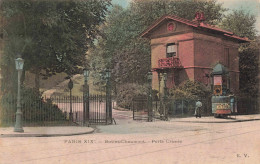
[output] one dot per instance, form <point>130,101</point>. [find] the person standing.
<point>198,109</point>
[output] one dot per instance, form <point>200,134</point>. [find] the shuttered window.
<point>171,50</point>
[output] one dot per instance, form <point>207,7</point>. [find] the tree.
<point>240,23</point>
<point>243,24</point>
<point>52,36</point>
<point>121,46</point>
<point>248,67</point>
<point>149,11</point>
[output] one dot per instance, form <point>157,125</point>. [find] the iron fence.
<point>186,107</point>
<point>97,109</point>
<point>55,111</point>
<point>140,108</point>
<point>247,105</point>
<point>162,109</point>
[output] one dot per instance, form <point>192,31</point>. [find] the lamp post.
<point>165,96</point>
<point>159,94</point>
<point>19,62</point>
<point>150,101</point>
<point>86,97</point>
<point>70,86</point>
<point>108,97</point>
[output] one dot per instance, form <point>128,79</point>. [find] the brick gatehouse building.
<point>187,49</point>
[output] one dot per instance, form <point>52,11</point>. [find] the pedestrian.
<point>198,109</point>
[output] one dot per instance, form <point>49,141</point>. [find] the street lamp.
<point>108,74</point>
<point>150,105</point>
<point>165,84</point>
<point>149,76</point>
<point>165,96</point>
<point>19,62</point>
<point>108,97</point>
<point>70,86</point>
<point>165,77</point>
<point>86,97</point>
<point>86,74</point>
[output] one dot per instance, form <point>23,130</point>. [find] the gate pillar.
<point>108,98</point>
<point>165,97</point>
<point>150,101</point>
<point>86,98</point>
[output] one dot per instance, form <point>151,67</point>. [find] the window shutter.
<point>171,48</point>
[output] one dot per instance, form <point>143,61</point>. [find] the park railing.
<point>165,108</point>
<point>55,111</point>
<point>247,105</point>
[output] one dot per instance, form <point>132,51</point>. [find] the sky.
<point>251,6</point>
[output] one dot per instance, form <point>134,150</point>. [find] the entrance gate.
<point>97,109</point>
<point>148,110</point>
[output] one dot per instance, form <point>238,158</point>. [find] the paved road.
<point>142,142</point>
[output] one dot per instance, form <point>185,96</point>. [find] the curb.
<point>219,121</point>
<point>45,135</point>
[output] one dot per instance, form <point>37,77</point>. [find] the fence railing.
<point>140,109</point>
<point>247,105</point>
<point>54,111</point>
<point>167,108</point>
<point>185,107</point>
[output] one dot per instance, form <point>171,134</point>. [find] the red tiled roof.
<point>194,24</point>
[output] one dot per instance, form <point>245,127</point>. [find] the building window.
<point>226,57</point>
<point>171,50</point>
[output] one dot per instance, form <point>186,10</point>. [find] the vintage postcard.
<point>129,81</point>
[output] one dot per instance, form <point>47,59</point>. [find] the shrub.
<point>127,92</point>
<point>34,108</point>
<point>189,90</point>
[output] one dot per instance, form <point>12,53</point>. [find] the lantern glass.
<point>70,84</point>
<point>165,76</point>
<point>19,62</point>
<point>86,73</point>
<point>108,73</point>
<point>150,75</point>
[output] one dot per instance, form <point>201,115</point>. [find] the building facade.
<point>189,50</point>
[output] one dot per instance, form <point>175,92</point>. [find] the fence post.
<point>86,98</point>
<point>108,98</point>
<point>70,86</point>
<point>150,101</point>
<point>165,97</point>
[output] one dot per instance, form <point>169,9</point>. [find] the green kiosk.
<point>223,103</point>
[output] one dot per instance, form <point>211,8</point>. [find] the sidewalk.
<point>117,114</point>
<point>46,131</point>
<point>123,116</point>
<point>211,119</point>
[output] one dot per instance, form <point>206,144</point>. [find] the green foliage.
<point>121,49</point>
<point>149,11</point>
<point>191,90</point>
<point>52,36</point>
<point>243,24</point>
<point>34,108</point>
<point>249,69</point>
<point>127,92</point>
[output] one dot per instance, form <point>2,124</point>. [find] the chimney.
<point>199,16</point>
